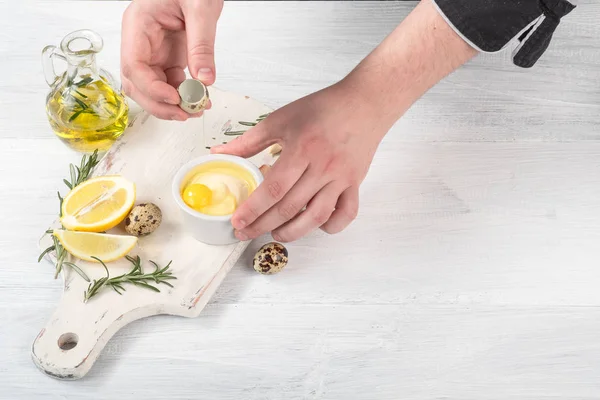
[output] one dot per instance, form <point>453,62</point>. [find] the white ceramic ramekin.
<point>209,229</point>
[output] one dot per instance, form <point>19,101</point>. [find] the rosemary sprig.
<point>78,175</point>
<point>81,173</point>
<point>81,103</point>
<point>61,256</point>
<point>84,81</point>
<point>136,277</point>
<point>75,115</point>
<point>83,107</point>
<point>81,94</point>
<point>246,123</point>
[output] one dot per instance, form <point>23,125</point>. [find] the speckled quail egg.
<point>270,258</point>
<point>143,219</point>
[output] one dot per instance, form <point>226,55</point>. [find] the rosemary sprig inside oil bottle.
<point>135,277</point>
<point>78,175</point>
<point>246,123</point>
<point>80,98</point>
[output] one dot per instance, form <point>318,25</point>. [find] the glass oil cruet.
<point>86,107</point>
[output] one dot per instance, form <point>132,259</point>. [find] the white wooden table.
<point>472,271</point>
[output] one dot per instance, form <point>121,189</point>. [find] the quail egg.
<point>143,219</point>
<point>270,258</point>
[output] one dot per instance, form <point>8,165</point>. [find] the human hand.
<point>328,139</point>
<point>160,38</point>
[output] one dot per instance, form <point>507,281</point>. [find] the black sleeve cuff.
<point>490,25</point>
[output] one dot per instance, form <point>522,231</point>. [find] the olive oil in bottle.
<point>85,107</point>
<point>88,116</point>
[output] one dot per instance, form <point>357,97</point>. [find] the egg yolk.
<point>217,187</point>
<point>197,196</point>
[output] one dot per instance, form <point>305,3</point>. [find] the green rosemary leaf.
<point>48,250</point>
<point>144,284</point>
<point>66,182</point>
<point>104,265</point>
<point>78,270</point>
<point>75,115</point>
<point>81,94</point>
<point>81,103</point>
<point>118,285</point>
<point>72,172</point>
<point>60,200</point>
<point>84,81</point>
<point>246,123</point>
<point>157,268</point>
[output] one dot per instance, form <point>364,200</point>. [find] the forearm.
<point>421,51</point>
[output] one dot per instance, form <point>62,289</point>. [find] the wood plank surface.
<point>470,273</point>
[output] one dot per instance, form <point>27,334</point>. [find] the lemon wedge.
<point>98,204</point>
<point>84,245</point>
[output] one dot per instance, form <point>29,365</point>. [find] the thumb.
<point>200,27</point>
<point>252,142</point>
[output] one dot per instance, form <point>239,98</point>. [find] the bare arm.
<point>420,52</point>
<point>329,137</point>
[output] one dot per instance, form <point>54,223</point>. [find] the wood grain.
<point>471,272</point>
<point>149,155</point>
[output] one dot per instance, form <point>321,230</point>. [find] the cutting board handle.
<point>67,347</point>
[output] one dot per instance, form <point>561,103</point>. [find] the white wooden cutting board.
<point>149,154</point>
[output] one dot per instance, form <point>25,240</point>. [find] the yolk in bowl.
<point>217,187</point>
<point>197,196</point>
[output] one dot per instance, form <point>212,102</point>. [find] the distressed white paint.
<point>471,272</point>
<point>150,153</point>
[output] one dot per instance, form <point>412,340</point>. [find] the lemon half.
<point>98,204</point>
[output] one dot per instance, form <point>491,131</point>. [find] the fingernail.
<point>171,101</point>
<point>240,224</point>
<point>205,73</point>
<point>276,237</point>
<point>241,236</point>
<point>178,118</point>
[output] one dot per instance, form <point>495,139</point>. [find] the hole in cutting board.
<point>68,340</point>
